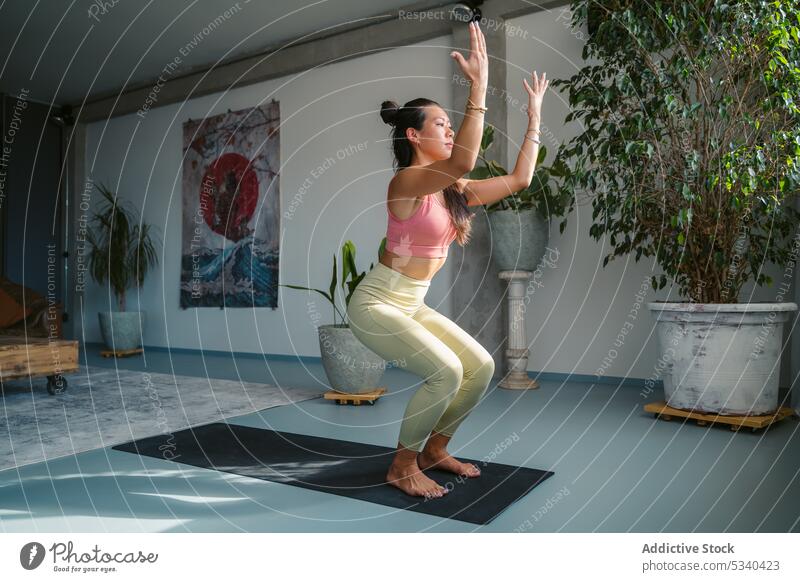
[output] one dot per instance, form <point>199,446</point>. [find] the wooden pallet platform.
<point>754,423</point>
<point>121,353</point>
<point>355,399</point>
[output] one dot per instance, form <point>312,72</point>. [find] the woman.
<point>427,206</point>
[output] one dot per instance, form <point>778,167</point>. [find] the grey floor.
<point>616,468</point>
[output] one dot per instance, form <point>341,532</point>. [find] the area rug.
<point>105,406</point>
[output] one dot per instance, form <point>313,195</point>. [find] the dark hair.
<point>412,114</point>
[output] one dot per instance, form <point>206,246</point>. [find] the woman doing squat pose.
<point>427,207</point>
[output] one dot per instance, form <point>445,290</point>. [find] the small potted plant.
<point>350,366</point>
<point>695,162</point>
<point>122,252</point>
<point>520,223</point>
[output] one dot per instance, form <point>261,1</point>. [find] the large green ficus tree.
<point>690,146</point>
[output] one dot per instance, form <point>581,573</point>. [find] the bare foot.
<point>411,480</point>
<point>444,461</point>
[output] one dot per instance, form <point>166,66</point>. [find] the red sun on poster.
<point>229,195</point>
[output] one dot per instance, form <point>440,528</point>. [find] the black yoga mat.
<point>354,470</point>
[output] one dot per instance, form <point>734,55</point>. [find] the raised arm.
<point>421,180</point>
<point>491,190</point>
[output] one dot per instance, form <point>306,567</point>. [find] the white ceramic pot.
<point>350,366</point>
<point>122,330</point>
<point>721,358</point>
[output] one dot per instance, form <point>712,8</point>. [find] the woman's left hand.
<point>536,94</point>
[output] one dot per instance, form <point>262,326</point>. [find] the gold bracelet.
<point>471,105</point>
<point>533,139</point>
<point>536,130</point>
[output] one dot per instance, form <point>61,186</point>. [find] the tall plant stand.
<point>516,377</point>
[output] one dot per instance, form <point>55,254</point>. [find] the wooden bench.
<point>38,356</point>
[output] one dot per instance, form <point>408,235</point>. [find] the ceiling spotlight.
<point>466,12</point>
<point>64,118</point>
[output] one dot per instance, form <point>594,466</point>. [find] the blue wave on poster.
<point>241,273</point>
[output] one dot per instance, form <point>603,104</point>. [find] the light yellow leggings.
<point>388,314</point>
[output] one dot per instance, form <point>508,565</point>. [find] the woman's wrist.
<point>477,95</point>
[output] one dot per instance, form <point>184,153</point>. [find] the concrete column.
<point>77,218</point>
<point>477,290</point>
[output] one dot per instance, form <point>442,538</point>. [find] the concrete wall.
<point>324,111</point>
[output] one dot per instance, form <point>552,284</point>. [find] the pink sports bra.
<point>427,233</point>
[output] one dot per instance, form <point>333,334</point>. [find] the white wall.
<point>323,110</point>
<point>574,319</point>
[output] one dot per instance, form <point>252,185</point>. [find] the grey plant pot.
<point>127,329</point>
<point>721,358</point>
<point>351,367</point>
<point>518,239</point>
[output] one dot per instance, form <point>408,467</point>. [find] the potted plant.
<point>350,366</point>
<point>520,223</point>
<point>122,252</point>
<point>692,151</point>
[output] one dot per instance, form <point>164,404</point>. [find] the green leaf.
<point>487,138</point>
<point>348,261</point>
<point>332,287</point>
<point>497,169</point>
<point>481,173</point>
<point>301,288</point>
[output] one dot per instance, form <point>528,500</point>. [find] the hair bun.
<point>389,112</point>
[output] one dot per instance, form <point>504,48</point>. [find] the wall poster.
<point>231,209</point>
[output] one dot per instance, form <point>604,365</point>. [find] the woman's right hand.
<point>476,68</point>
